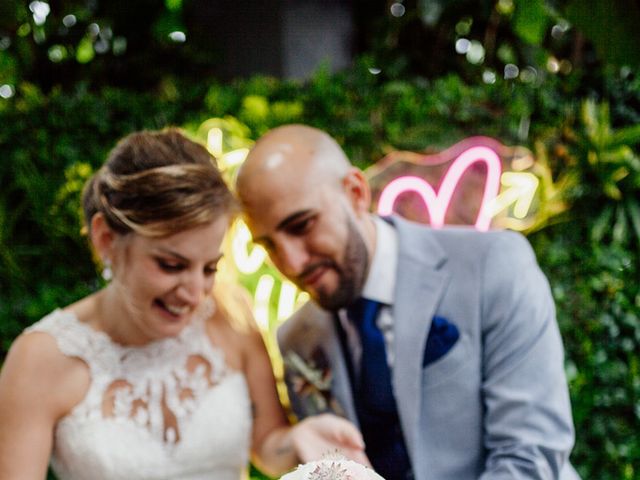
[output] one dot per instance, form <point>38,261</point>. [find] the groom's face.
<point>312,236</point>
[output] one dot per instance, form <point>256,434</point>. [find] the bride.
<point>148,378</point>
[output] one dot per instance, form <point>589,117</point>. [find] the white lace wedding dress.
<point>169,410</point>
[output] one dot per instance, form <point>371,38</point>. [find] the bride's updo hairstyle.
<point>155,184</point>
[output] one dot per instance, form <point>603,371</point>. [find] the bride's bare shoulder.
<point>36,368</point>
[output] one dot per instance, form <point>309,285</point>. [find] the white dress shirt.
<point>379,286</point>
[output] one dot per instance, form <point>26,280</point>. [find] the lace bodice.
<point>171,409</point>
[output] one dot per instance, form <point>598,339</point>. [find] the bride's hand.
<point>323,434</point>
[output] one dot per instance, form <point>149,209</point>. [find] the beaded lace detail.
<point>169,409</point>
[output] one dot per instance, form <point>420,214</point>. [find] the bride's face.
<point>160,282</point>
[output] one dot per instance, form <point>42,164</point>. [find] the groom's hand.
<point>319,435</point>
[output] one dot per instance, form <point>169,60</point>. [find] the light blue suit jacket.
<point>495,406</point>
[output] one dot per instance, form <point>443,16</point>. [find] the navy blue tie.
<point>374,383</point>
<point>374,399</point>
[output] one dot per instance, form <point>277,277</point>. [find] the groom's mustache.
<point>310,270</point>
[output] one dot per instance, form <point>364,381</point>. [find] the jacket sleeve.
<point>307,370</point>
<point>528,428</point>
<point>291,378</point>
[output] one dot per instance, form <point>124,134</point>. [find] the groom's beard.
<point>351,274</point>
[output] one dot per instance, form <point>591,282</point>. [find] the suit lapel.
<point>420,284</point>
<point>341,385</point>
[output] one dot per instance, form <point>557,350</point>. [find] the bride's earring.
<point>107,273</point>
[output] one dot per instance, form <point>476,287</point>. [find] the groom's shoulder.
<point>459,238</point>
<point>450,232</point>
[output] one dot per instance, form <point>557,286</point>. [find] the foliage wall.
<point>588,245</point>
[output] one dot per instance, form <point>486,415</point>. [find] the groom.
<point>442,344</point>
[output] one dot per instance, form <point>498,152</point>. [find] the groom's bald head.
<point>293,151</point>
<point>309,207</point>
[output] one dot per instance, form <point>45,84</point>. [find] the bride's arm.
<point>34,393</point>
<point>277,446</point>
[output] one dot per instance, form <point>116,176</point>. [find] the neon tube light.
<point>438,203</point>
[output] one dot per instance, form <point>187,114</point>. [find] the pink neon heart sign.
<point>438,203</point>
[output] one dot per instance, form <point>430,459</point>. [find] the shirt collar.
<point>381,281</point>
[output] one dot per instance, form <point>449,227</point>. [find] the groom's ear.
<point>357,190</point>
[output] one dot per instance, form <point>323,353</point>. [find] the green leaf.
<point>589,115</point>
<point>531,20</point>
<point>255,108</point>
<point>619,174</point>
<point>8,68</point>
<point>85,51</point>
<point>620,227</point>
<point>612,190</point>
<point>173,5</point>
<point>626,136</point>
<point>601,225</point>
<point>633,210</point>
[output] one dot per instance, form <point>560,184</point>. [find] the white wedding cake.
<point>332,468</point>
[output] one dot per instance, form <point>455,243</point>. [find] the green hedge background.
<point>582,125</point>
